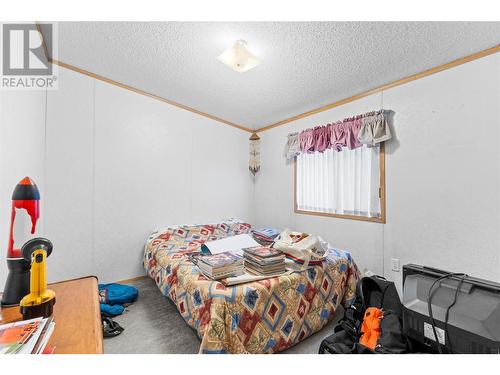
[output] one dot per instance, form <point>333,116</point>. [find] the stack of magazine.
<point>265,236</point>
<point>26,336</point>
<point>264,260</point>
<point>221,265</point>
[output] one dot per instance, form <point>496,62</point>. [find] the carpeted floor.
<point>153,325</point>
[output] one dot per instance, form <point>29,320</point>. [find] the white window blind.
<point>344,183</point>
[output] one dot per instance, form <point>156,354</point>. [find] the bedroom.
<point>363,147</point>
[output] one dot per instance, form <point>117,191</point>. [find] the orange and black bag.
<point>372,324</point>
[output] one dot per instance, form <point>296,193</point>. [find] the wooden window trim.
<point>382,219</point>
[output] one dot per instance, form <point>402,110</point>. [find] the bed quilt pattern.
<point>260,317</point>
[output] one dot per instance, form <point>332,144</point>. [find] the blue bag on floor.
<point>111,310</point>
<point>113,296</point>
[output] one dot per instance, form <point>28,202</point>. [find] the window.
<point>348,184</point>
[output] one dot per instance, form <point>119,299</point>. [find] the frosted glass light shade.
<point>238,57</point>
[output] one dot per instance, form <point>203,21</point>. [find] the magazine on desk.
<point>26,336</point>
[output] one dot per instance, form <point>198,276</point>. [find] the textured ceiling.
<point>303,65</point>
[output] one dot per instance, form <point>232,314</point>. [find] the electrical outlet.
<point>395,264</point>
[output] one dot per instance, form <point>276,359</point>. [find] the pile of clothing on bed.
<point>263,316</point>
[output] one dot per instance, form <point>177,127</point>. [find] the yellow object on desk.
<point>40,301</point>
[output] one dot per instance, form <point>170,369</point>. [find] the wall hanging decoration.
<point>292,147</point>
<point>368,129</point>
<point>254,154</point>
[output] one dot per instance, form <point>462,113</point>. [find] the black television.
<point>473,306</point>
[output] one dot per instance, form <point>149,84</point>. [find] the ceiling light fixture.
<point>238,57</point>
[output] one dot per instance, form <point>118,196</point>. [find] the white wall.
<point>112,166</point>
<point>442,176</point>
<point>67,194</point>
<point>22,118</point>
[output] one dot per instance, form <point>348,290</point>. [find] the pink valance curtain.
<point>370,128</point>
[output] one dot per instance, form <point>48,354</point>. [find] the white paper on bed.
<point>248,278</point>
<point>234,244</point>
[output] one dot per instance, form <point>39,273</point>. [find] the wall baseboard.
<point>137,278</point>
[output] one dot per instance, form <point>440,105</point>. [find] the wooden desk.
<point>76,313</point>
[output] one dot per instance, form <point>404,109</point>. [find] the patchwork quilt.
<point>264,316</point>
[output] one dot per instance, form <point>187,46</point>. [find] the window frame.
<point>382,219</point>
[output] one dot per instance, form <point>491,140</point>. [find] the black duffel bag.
<point>373,291</point>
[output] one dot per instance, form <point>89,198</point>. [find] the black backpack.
<point>373,291</point>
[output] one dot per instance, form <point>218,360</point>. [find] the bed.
<point>265,316</point>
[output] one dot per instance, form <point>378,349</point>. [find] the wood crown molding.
<point>134,89</point>
<point>145,93</point>
<point>338,103</point>
<point>387,86</point>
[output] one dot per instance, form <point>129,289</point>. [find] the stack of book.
<point>264,261</point>
<point>26,336</point>
<point>265,236</point>
<point>221,265</point>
